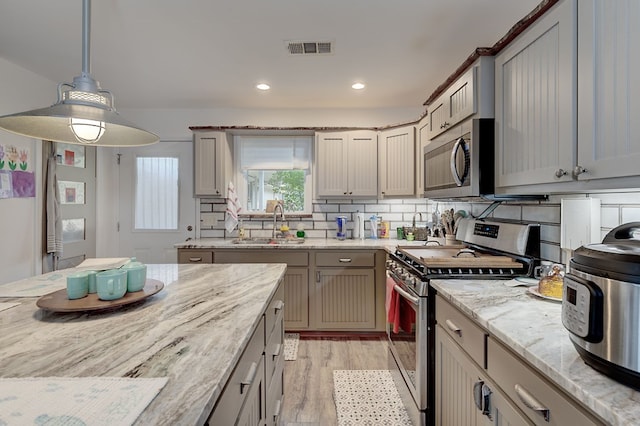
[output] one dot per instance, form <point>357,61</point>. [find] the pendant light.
<point>84,113</point>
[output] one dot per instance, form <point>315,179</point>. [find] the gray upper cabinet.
<point>346,164</point>
<point>454,105</point>
<point>212,163</point>
<point>396,162</point>
<point>534,98</point>
<point>608,89</point>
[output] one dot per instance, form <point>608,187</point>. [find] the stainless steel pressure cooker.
<point>601,304</point>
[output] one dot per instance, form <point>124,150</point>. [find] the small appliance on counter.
<point>358,229</point>
<point>341,227</point>
<point>601,304</point>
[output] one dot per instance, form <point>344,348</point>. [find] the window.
<point>156,197</point>
<point>274,168</point>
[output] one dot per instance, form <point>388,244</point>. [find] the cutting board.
<point>465,260</point>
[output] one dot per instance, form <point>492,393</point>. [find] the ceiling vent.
<point>309,47</point>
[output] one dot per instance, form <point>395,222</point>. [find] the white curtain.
<point>275,152</point>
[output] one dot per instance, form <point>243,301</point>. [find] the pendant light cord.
<point>86,36</point>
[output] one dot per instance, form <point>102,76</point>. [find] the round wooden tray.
<point>58,301</point>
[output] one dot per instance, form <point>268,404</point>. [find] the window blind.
<point>275,153</point>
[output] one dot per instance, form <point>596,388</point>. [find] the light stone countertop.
<point>192,332</point>
<point>532,327</point>
<point>309,243</point>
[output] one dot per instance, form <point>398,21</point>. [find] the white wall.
<point>21,218</point>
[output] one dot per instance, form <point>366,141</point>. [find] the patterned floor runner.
<point>291,346</point>
<point>368,397</point>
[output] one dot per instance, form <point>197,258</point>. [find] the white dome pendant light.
<point>84,113</point>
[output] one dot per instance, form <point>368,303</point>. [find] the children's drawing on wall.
<point>17,180</point>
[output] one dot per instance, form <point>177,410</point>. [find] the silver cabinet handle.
<point>195,259</point>
<point>454,328</point>
<point>278,306</point>
<point>277,350</point>
<point>276,412</point>
<point>531,402</point>
<point>344,260</point>
<point>251,374</point>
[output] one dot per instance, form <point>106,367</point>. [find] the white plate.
<point>535,292</point>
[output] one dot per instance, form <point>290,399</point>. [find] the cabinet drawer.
<point>290,257</point>
<point>246,373</point>
<point>463,331</point>
<point>345,258</point>
<point>525,387</point>
<point>274,351</point>
<point>275,311</point>
<point>195,256</point>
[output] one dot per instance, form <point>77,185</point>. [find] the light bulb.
<point>87,131</point>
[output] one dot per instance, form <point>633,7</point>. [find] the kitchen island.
<point>531,329</point>
<point>193,332</point>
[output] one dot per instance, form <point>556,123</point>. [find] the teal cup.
<point>111,284</point>
<point>92,282</point>
<point>136,277</point>
<point>77,285</point>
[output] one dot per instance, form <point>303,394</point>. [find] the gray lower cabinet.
<point>255,391</point>
<point>345,290</point>
<point>469,359</point>
<point>324,289</point>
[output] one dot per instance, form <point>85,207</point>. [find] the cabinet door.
<point>438,116</point>
<point>296,298</point>
<point>253,412</point>
<point>461,98</point>
<point>345,298</point>
<point>363,164</point>
<point>331,164</point>
<point>456,376</point>
<point>608,88</point>
<point>396,168</point>
<point>195,256</point>
<point>212,157</point>
<point>535,102</point>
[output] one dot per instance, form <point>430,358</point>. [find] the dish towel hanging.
<point>54,221</point>
<point>233,209</point>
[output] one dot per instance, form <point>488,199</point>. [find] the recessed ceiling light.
<point>357,86</point>
<point>263,86</point>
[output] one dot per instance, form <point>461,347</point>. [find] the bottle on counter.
<point>241,231</point>
<point>300,231</point>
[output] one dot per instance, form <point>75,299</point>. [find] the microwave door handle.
<point>460,144</point>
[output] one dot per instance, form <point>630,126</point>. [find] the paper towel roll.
<point>358,229</point>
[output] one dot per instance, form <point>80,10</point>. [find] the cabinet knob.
<point>578,170</point>
<point>560,172</point>
<point>345,193</point>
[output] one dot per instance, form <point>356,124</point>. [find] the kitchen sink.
<point>269,241</point>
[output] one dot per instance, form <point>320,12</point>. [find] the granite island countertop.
<point>192,332</point>
<point>532,328</point>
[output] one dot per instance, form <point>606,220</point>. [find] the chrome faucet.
<point>414,219</point>
<point>275,215</point>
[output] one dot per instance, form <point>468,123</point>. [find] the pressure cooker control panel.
<point>582,308</point>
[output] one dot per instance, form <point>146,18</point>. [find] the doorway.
<point>157,208</point>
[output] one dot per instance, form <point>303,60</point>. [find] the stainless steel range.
<point>489,250</point>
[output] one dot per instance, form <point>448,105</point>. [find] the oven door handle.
<point>414,300</point>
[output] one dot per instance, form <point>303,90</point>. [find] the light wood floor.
<point>308,381</point>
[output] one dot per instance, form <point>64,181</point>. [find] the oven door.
<point>410,348</point>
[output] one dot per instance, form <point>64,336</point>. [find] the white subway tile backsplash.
<point>348,208</point>
<point>377,208</point>
<point>509,212</point>
<point>212,233</point>
<point>550,233</point>
<point>400,208</point>
<point>630,214</point>
<point>541,213</point>
<point>326,208</point>
<point>609,216</point>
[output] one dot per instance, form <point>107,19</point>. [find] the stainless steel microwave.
<point>460,162</point>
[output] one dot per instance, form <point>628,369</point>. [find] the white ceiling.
<point>211,54</point>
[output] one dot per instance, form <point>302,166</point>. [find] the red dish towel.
<point>392,303</point>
